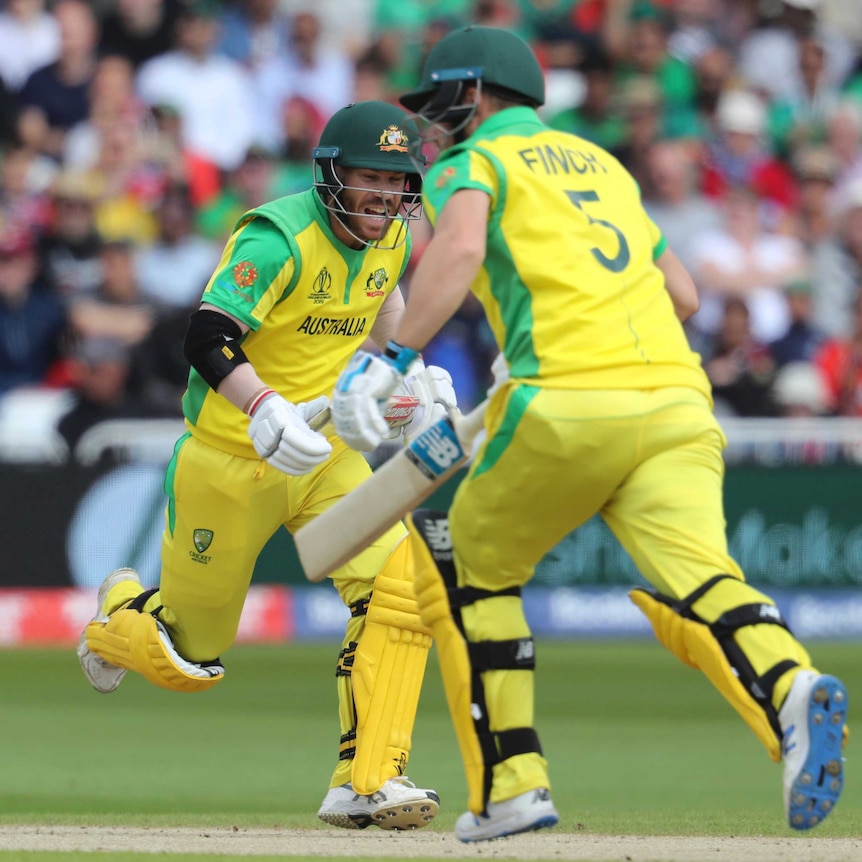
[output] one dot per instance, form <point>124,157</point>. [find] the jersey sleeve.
<point>461,169</point>
<point>659,243</point>
<point>254,272</point>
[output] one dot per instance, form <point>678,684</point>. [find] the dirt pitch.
<point>323,843</point>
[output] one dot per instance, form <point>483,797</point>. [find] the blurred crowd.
<point>134,133</point>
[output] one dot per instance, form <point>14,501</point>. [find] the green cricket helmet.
<point>372,135</point>
<point>492,57</point>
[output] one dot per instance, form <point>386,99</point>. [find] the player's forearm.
<point>439,286</point>
<point>679,285</point>
<point>386,322</point>
<point>241,386</point>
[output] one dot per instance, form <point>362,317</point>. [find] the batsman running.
<point>303,281</point>
<point>606,410</point>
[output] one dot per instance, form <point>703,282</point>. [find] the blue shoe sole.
<point>820,781</point>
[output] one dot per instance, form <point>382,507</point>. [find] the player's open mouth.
<point>375,217</point>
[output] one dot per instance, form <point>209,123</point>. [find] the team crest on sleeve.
<point>445,175</point>
<point>392,138</point>
<point>375,282</point>
<point>245,274</point>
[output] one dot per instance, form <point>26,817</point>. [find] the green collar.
<point>517,116</point>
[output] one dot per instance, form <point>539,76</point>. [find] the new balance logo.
<point>438,537</point>
<point>442,450</point>
<point>770,612</point>
<point>526,650</point>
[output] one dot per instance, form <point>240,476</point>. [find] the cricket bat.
<point>397,487</point>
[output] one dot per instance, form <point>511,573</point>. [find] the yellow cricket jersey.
<point>310,303</point>
<point>569,283</point>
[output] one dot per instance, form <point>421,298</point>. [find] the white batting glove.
<point>280,434</point>
<point>359,401</point>
<point>433,387</point>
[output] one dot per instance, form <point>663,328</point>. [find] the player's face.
<point>371,200</point>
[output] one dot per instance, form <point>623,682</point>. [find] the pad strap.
<point>497,747</point>
<point>758,613</point>
<point>516,654</point>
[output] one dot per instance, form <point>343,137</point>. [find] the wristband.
<point>399,356</point>
<point>257,399</point>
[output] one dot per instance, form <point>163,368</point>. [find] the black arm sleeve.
<point>212,347</point>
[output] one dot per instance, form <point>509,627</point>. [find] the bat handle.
<point>320,419</point>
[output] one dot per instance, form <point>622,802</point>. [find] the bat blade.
<point>410,476</point>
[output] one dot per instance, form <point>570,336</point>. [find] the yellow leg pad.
<point>455,665</point>
<point>136,642</point>
<point>692,643</point>
<point>387,675</point>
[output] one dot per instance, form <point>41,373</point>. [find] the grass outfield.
<point>637,743</point>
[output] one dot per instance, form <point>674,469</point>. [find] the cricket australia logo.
<point>202,540</point>
<point>320,288</point>
<point>375,283</point>
<point>391,139</point>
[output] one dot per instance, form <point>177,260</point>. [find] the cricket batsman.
<point>606,410</point>
<point>302,283</point>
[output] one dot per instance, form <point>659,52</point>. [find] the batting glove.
<point>361,394</point>
<point>280,434</point>
<point>433,387</point>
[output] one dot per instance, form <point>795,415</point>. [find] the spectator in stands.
<point>174,270</point>
<point>840,362</point>
<point>737,152</point>
<point>696,28</point>
<point>325,77</point>
<point>836,268</point>
<point>29,40</point>
<point>177,161</point>
<point>739,365</point>
<point>641,107</point>
<point>303,124</point>
<point>769,58</point>
<point>254,31</point>
<point>115,311</point>
<point>673,198</point>
<point>743,260</point>
<point>138,29</point>
<point>111,97</point>
<point>247,186</point>
<point>160,370</point>
<point>844,138</point>
<point>714,72</point>
<point>212,93</point>
<point>647,56</point>
<point>32,321</point>
<point>23,198</point>
<point>100,371</point>
<point>54,97</point>
<point>815,168</point>
<point>802,119</point>
<point>802,339</point>
<point>399,28</point>
<point>69,249</point>
<point>595,117</point>
<point>800,391</point>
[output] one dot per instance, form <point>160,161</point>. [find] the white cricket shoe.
<point>812,723</point>
<point>398,805</point>
<point>525,813</point>
<point>103,676</point>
